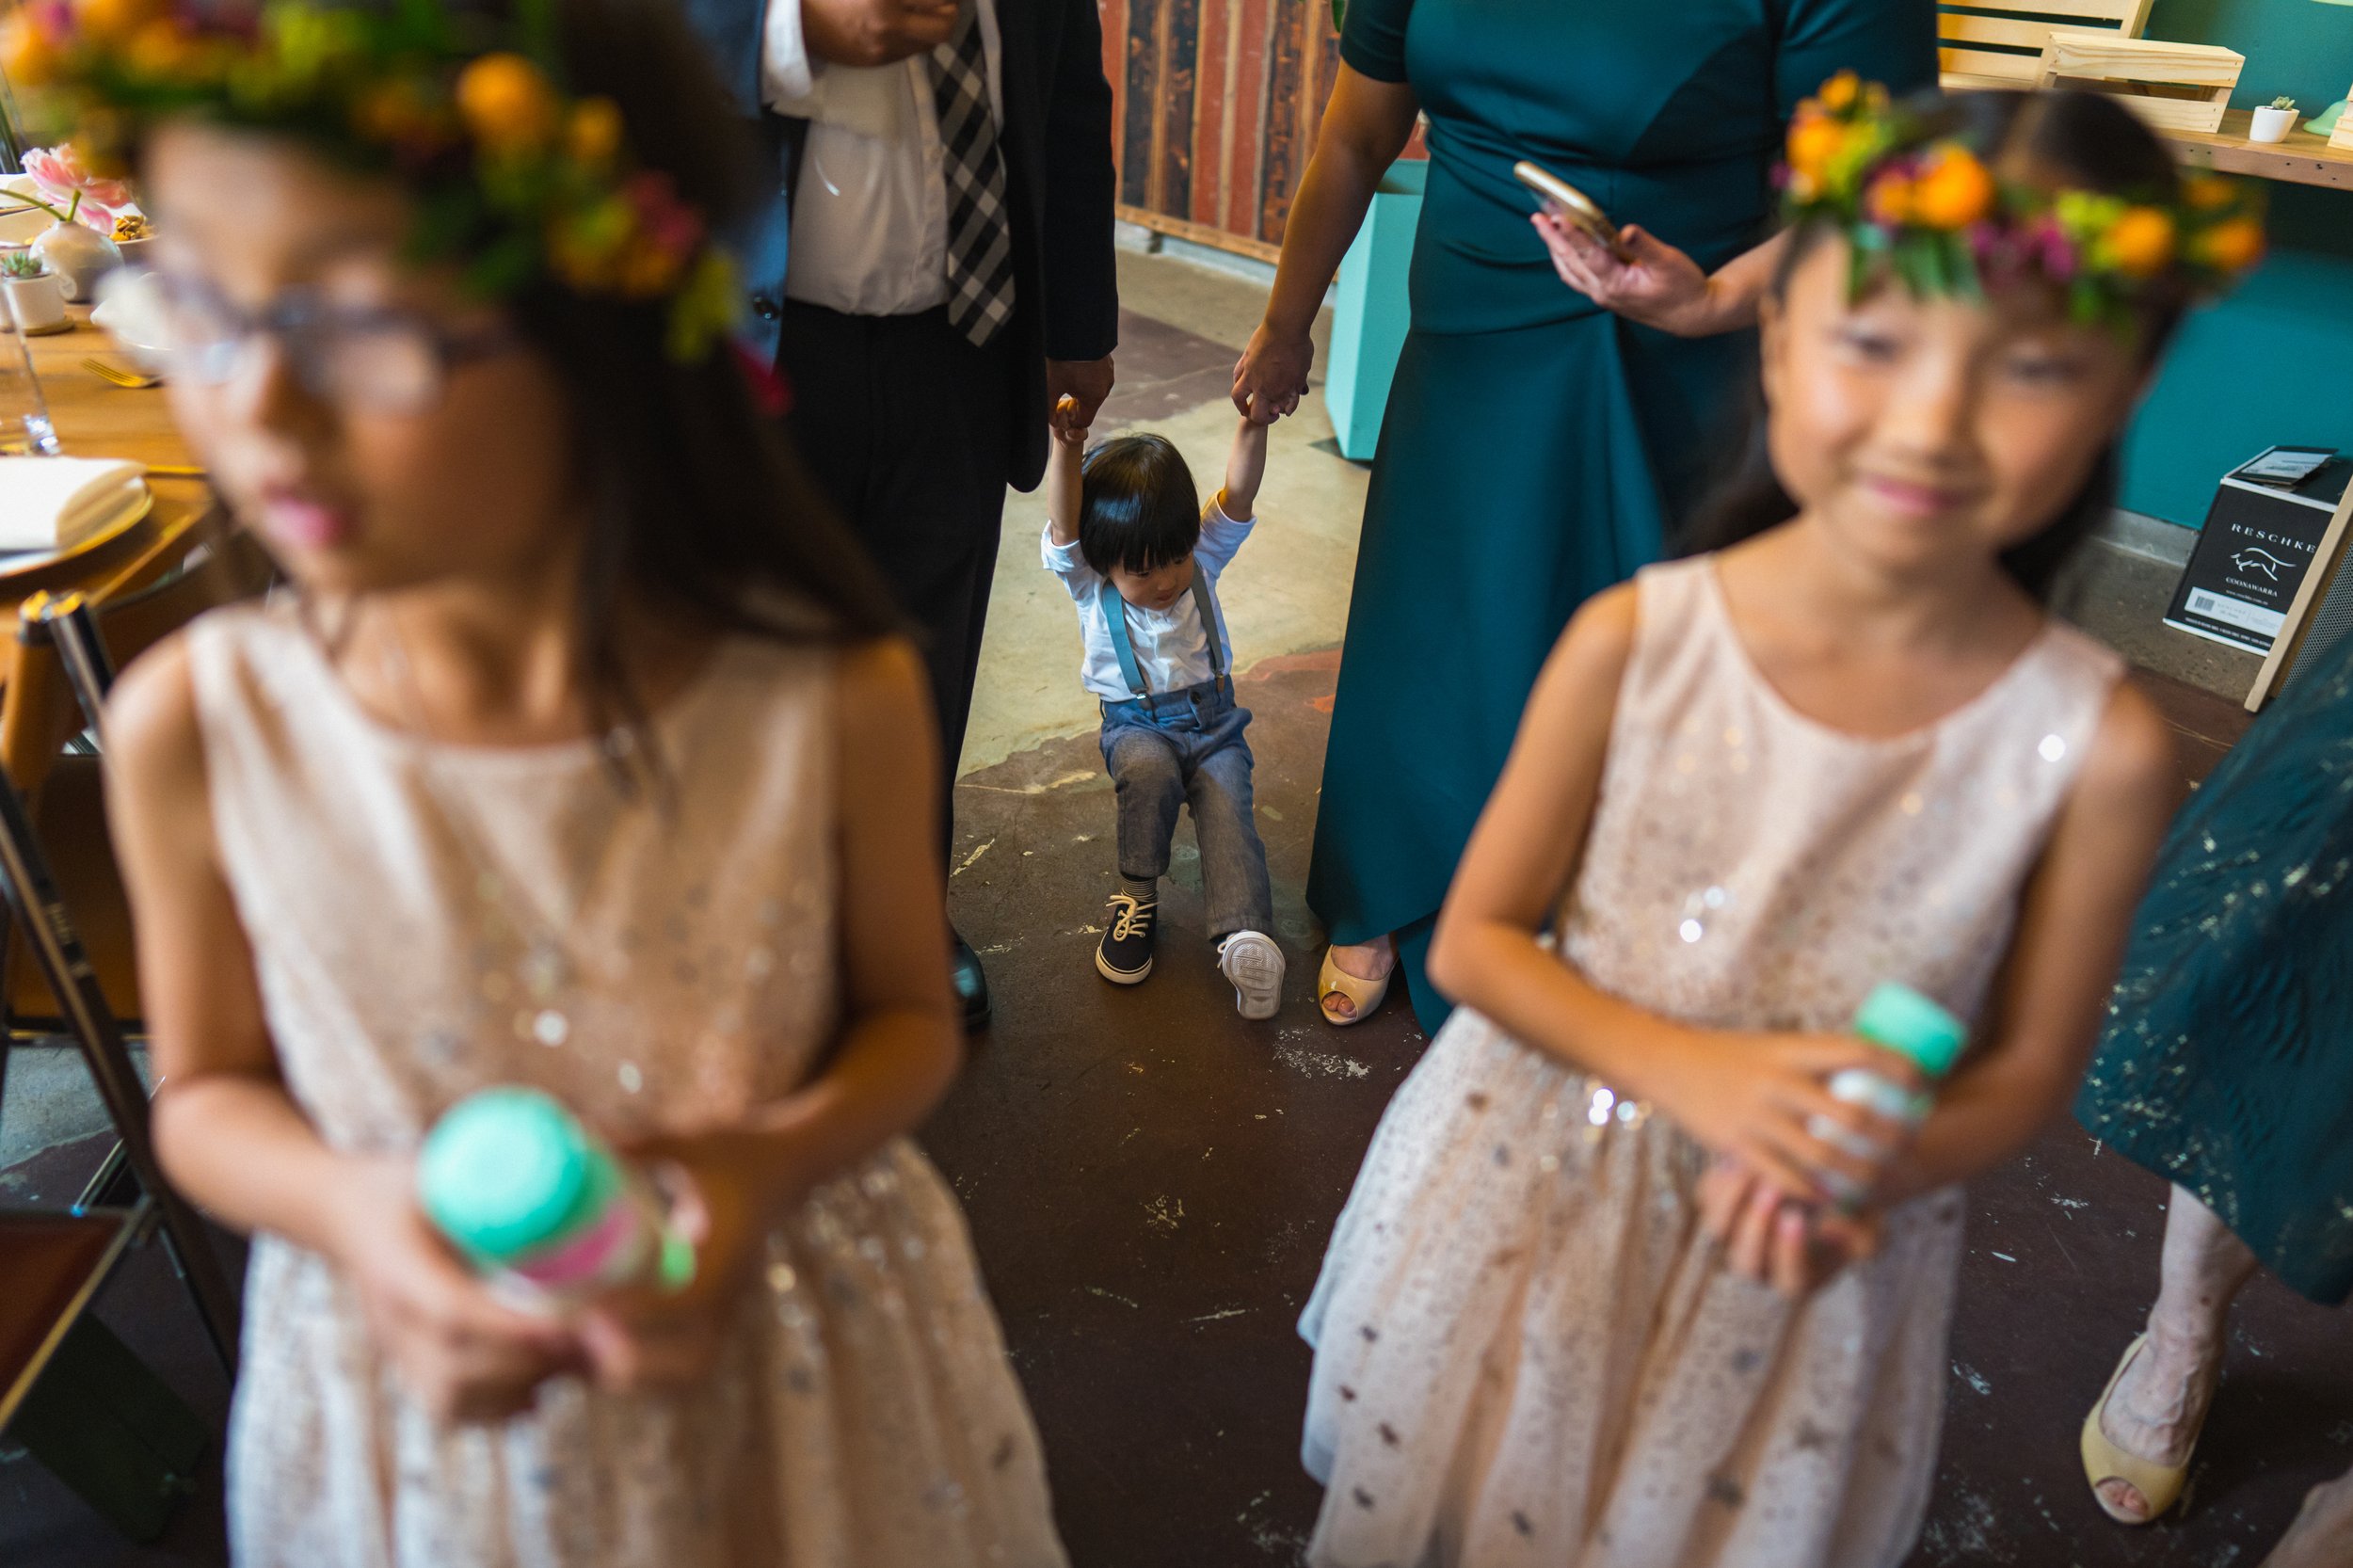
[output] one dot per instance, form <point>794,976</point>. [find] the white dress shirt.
<point>869,214</point>
<point>1172,648</point>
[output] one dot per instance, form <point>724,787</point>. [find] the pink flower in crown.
<point>60,174</point>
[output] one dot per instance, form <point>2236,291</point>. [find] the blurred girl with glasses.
<point>585,755</point>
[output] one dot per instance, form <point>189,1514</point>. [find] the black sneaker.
<point>1125,956</point>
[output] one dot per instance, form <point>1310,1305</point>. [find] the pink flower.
<point>59,173</point>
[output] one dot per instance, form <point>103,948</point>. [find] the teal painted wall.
<point>2274,362</point>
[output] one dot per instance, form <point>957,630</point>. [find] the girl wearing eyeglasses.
<point>583,755</point>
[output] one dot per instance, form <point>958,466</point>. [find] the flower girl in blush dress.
<point>1590,1302</point>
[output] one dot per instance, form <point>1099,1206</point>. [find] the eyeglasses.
<point>378,358</point>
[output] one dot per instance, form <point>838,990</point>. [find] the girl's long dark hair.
<point>2082,140</point>
<point>698,503</point>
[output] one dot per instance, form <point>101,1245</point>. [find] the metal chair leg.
<point>32,897</point>
<point>70,622</point>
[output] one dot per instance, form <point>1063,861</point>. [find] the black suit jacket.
<point>1057,142</point>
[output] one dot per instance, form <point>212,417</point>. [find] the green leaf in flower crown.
<point>502,266</point>
<point>2086,302</point>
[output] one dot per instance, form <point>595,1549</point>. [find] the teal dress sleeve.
<point>1372,38</point>
<point>1890,42</point>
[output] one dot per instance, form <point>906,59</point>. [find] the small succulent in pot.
<point>17,265</point>
<point>2274,120</point>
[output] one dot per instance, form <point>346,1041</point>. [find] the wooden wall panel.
<point>1215,109</point>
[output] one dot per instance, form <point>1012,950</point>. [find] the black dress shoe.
<point>972,984</point>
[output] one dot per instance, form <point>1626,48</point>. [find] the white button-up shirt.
<point>1171,645</point>
<point>869,214</point>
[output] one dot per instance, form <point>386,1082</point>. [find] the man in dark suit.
<point>945,173</point>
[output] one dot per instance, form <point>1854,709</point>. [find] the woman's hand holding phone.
<point>1645,279</point>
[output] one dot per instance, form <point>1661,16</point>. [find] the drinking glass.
<point>25,427</point>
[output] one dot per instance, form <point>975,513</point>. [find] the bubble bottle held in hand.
<point>1900,1019</point>
<point>540,1203</point>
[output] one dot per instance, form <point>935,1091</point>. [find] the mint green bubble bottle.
<point>542,1206</point>
<point>1897,1018</point>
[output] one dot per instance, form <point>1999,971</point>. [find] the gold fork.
<point>129,379</point>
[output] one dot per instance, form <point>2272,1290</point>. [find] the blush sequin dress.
<point>1527,1352</point>
<point>863,1414</point>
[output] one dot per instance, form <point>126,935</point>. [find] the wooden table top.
<point>96,420</point>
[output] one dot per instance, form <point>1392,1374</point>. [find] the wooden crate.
<point>2174,86</point>
<point>2000,45</point>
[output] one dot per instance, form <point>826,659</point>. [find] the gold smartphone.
<point>1572,205</point>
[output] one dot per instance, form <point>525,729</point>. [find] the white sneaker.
<point>1255,965</point>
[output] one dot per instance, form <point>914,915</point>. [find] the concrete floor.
<point>1151,1181</point>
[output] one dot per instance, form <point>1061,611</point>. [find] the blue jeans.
<point>1187,748</point>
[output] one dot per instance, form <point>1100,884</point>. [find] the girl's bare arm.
<point>225,1127</point>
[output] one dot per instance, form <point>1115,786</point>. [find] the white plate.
<point>136,504</point>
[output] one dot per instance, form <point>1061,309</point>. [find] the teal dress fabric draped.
<point>2228,1063</point>
<point>1534,447</point>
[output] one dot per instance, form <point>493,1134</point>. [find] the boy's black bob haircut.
<point>1138,508</point>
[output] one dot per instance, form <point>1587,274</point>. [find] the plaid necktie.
<point>980,238</point>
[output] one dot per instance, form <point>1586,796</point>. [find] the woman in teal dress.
<point>2227,1069</point>
<point>1539,442</point>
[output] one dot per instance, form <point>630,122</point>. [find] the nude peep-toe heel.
<point>2159,1485</point>
<point>1363,995</point>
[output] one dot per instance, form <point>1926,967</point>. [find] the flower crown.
<point>515,182</point>
<point>1923,204</point>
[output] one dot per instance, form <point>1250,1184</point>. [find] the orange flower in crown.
<point>515,182</point>
<point>1920,203</point>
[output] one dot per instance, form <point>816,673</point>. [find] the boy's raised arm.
<point>1245,466</point>
<point>1065,450</point>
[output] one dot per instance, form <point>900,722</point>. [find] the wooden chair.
<point>2001,45</point>
<point>70,1392</point>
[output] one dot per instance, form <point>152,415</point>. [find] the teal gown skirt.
<point>1519,472</point>
<point>2227,1067</point>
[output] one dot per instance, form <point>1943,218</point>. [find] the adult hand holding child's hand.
<point>463,1354</point>
<point>727,1186</point>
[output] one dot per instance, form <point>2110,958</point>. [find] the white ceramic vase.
<point>79,255</point>
<point>36,304</point>
<point>2271,124</point>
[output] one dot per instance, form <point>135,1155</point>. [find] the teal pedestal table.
<point>1370,312</point>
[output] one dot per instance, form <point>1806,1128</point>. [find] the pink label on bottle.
<point>589,1259</point>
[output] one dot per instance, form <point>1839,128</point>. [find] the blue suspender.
<point>1115,612</point>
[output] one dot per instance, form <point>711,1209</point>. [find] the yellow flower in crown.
<point>115,21</point>
<point>2207,193</point>
<point>2140,241</point>
<point>1890,197</point>
<point>593,134</point>
<point>1953,191</point>
<point>1841,92</point>
<point>1814,139</point>
<point>507,104</point>
<point>2231,247</point>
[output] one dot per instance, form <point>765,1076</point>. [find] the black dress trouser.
<point>907,429</point>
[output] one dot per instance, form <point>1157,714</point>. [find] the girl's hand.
<point>1065,424</point>
<point>1660,286</point>
<point>1773,1238</point>
<point>1750,1097</point>
<point>464,1354</point>
<point>1271,375</point>
<point>725,1188</point>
